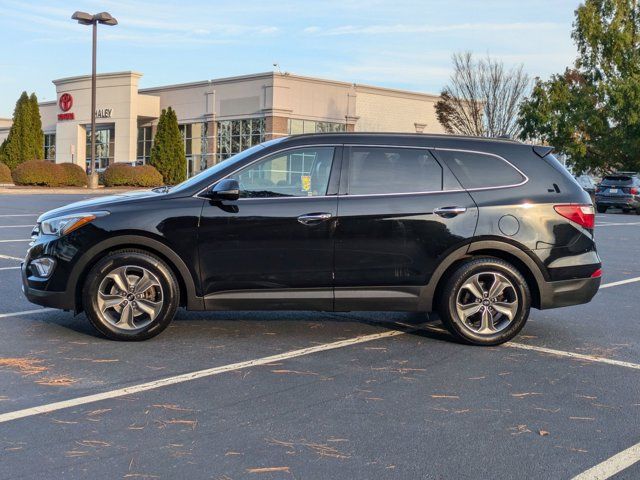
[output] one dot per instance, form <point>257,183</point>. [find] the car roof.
<point>354,136</point>
<point>500,146</point>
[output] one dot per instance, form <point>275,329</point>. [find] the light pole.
<point>84,18</point>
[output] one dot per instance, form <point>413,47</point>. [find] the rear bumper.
<point>622,202</point>
<point>565,293</point>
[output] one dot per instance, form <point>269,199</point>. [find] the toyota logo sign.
<point>65,102</point>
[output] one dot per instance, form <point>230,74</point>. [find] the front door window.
<point>300,172</point>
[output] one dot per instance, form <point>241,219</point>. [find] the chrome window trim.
<point>334,145</point>
<point>345,145</point>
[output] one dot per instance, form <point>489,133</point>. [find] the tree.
<point>592,111</point>
<point>26,140</point>
<point>37,135</point>
<point>167,153</point>
<point>482,98</point>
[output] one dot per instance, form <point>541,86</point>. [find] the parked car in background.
<point>619,190</point>
<point>588,185</point>
<point>480,230</point>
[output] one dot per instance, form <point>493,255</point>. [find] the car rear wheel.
<point>130,295</point>
<point>485,301</point>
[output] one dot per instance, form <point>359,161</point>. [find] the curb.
<point>8,189</point>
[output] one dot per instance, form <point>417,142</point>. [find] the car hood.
<point>99,203</point>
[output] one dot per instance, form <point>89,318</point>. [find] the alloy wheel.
<point>487,303</point>
<point>130,297</point>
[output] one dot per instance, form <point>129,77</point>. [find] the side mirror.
<point>227,189</point>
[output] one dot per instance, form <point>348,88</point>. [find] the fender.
<point>428,291</point>
<point>193,301</point>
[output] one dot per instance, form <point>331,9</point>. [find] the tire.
<point>601,209</point>
<point>490,324</point>
<point>119,307</point>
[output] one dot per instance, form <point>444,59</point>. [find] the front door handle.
<point>449,212</point>
<point>314,218</point>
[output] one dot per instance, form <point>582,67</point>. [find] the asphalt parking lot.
<point>293,395</point>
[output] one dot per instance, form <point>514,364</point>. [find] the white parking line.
<point>12,241</point>
<point>621,282</point>
<point>9,257</point>
<point>613,465</point>
<point>187,377</point>
<point>616,224</point>
<point>577,356</point>
<point>28,312</point>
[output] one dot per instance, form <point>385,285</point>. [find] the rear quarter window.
<point>480,170</point>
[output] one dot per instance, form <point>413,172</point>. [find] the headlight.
<point>68,223</point>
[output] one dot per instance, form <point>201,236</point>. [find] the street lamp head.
<point>83,18</point>
<point>105,18</point>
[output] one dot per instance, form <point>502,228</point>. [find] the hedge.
<point>5,174</point>
<point>73,175</point>
<point>38,172</point>
<point>123,175</point>
<point>48,174</point>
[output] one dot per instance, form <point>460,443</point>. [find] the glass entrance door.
<point>105,137</point>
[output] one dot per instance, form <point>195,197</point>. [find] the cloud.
<point>411,29</point>
<point>139,28</point>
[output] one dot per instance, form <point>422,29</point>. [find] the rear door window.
<point>480,170</point>
<point>387,170</point>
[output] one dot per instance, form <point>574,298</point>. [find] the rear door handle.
<point>449,212</point>
<point>314,218</point>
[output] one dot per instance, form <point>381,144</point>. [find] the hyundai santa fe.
<point>479,230</point>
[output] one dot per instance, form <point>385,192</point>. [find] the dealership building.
<point>220,117</point>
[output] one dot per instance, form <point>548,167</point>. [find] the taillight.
<point>583,215</point>
<point>633,191</point>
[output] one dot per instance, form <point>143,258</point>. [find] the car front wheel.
<point>486,301</point>
<point>130,295</point>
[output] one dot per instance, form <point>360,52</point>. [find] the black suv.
<point>480,230</point>
<point>619,190</point>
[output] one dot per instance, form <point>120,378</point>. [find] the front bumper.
<point>565,293</point>
<point>46,298</point>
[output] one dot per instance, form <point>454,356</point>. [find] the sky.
<point>403,44</point>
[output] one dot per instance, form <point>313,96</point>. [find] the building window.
<point>198,146</point>
<point>50,147</point>
<point>234,136</point>
<point>297,127</point>
<point>145,141</point>
<point>105,137</point>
